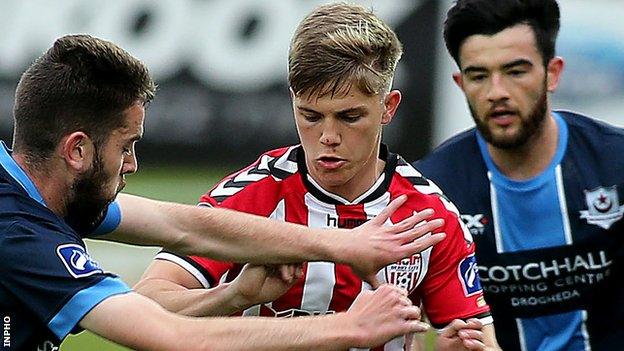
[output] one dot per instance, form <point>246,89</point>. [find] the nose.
<point>130,164</point>
<point>497,89</point>
<point>330,135</point>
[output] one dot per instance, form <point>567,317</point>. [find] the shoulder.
<point>590,129</point>
<point>456,150</point>
<point>422,192</point>
<point>592,143</point>
<point>264,179</point>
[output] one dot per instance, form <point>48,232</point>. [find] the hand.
<point>460,335</point>
<point>259,284</point>
<point>384,314</point>
<point>374,245</point>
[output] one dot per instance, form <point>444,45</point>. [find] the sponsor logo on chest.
<point>475,223</point>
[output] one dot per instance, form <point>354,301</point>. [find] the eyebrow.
<point>514,63</point>
<point>357,109</point>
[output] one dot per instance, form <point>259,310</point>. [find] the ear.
<point>553,73</point>
<point>391,104</point>
<point>78,151</point>
<point>458,79</point>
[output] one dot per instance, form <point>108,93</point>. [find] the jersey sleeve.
<point>52,274</point>
<point>109,222</point>
<point>451,288</point>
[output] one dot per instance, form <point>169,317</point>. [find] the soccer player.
<point>341,64</point>
<point>79,110</point>
<point>538,188</point>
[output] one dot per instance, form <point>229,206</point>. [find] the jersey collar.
<point>17,173</point>
<point>379,188</point>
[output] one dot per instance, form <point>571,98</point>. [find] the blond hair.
<point>338,45</point>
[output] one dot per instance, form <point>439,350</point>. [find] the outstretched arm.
<point>178,291</point>
<point>234,236</point>
<point>374,318</point>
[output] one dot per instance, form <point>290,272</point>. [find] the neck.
<point>50,184</point>
<point>532,158</point>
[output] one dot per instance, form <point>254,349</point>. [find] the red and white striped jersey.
<point>443,278</point>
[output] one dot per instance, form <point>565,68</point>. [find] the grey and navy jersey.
<point>48,282</point>
<point>550,249</point>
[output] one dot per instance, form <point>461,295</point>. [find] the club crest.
<point>405,273</point>
<point>603,207</point>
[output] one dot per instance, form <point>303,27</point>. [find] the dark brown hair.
<point>81,83</point>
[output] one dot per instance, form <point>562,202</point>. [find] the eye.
<point>517,73</point>
<point>351,118</point>
<point>311,117</point>
<point>477,77</point>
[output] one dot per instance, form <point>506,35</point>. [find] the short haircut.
<point>488,17</point>
<point>81,83</point>
<point>338,45</point>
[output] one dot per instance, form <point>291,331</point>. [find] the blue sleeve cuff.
<point>82,302</point>
<point>110,222</point>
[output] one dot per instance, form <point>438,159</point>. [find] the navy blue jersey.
<point>550,249</point>
<point>48,282</point>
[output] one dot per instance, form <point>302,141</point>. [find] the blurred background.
<point>223,96</point>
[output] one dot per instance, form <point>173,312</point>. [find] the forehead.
<point>353,97</point>
<point>510,44</point>
<point>133,121</point>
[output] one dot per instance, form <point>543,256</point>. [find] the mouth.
<point>121,185</point>
<point>502,117</point>
<point>330,162</point>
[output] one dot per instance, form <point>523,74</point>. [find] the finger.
<point>421,244</point>
<point>470,334</point>
<point>411,221</point>
<point>419,231</point>
<point>473,345</point>
<point>412,313</point>
<point>451,330</point>
<point>416,326</point>
<point>299,271</point>
<point>389,210</point>
<point>474,323</point>
<point>287,272</point>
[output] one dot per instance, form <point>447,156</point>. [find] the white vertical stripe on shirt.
<point>321,276</point>
<point>563,205</point>
<point>494,205</point>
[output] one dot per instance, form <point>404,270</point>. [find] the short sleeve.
<point>451,288</point>
<point>51,273</point>
<point>110,222</point>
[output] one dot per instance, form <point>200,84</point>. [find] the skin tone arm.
<point>179,291</point>
<point>234,236</point>
<point>374,318</point>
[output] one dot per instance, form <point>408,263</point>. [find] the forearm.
<point>221,234</point>
<point>217,301</point>
<point>146,326</point>
<point>231,239</point>
<point>304,333</point>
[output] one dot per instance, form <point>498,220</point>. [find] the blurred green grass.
<point>178,184</point>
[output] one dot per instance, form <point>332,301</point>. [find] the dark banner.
<point>220,66</point>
